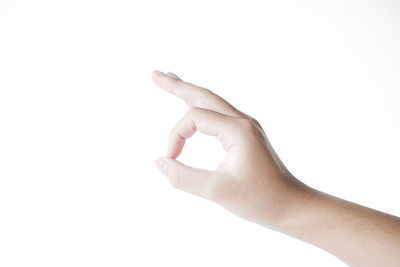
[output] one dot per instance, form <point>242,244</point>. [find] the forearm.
<point>358,235</point>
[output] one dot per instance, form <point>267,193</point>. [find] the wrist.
<point>297,207</point>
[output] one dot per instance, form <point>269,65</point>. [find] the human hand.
<point>251,181</point>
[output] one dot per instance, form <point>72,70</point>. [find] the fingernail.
<point>159,73</point>
<point>162,165</point>
<point>173,75</point>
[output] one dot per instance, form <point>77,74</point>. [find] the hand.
<point>251,181</point>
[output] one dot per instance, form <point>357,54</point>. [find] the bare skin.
<point>254,184</point>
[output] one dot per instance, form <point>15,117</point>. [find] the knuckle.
<point>204,95</point>
<point>246,128</point>
<point>193,111</point>
<point>247,124</point>
<point>255,121</point>
<point>206,92</point>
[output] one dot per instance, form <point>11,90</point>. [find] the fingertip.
<point>175,146</point>
<point>158,73</point>
<point>172,152</point>
<point>161,165</point>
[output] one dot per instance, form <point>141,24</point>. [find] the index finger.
<point>193,95</point>
<point>205,121</point>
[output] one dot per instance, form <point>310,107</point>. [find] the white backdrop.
<point>81,123</point>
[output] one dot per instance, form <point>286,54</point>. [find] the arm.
<point>254,184</point>
<point>358,235</point>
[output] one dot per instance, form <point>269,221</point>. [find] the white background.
<point>81,123</point>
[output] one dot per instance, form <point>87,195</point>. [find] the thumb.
<point>192,180</point>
